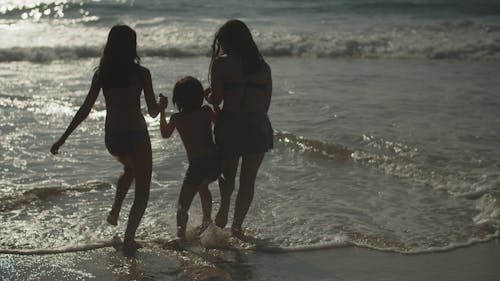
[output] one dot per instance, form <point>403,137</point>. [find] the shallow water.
<point>380,164</point>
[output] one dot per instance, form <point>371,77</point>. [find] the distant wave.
<point>98,9</point>
<point>484,7</point>
<point>347,49</point>
<point>464,40</point>
<point>459,40</point>
<point>47,54</point>
<point>20,199</point>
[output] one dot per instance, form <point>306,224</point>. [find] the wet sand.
<point>478,262</point>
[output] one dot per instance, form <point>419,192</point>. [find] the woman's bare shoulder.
<point>143,75</point>
<point>267,68</point>
<point>143,71</point>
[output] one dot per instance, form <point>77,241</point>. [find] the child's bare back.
<point>195,129</point>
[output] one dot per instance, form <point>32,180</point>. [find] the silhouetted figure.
<point>123,80</point>
<point>194,124</point>
<point>241,79</point>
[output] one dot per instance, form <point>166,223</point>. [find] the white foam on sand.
<point>214,237</point>
<point>73,248</point>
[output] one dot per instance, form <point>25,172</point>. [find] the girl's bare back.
<point>123,104</point>
<point>240,91</point>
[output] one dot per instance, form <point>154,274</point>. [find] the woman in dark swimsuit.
<point>241,79</point>
<point>123,80</point>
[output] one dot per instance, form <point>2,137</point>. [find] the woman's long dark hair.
<point>119,58</point>
<point>234,38</point>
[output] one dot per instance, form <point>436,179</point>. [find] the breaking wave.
<point>465,40</point>
<point>399,160</point>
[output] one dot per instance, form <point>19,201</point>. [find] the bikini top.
<point>245,85</point>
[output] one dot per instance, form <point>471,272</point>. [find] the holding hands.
<point>163,102</point>
<point>207,92</point>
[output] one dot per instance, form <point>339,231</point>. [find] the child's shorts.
<point>207,167</point>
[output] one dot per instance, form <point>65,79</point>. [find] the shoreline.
<point>477,262</point>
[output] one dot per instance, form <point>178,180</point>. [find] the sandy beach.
<point>478,262</point>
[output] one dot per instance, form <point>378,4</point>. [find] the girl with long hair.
<point>241,79</point>
<point>122,80</point>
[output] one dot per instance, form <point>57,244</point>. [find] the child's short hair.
<point>188,94</point>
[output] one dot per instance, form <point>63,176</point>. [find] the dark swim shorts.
<point>243,132</point>
<point>122,143</point>
<point>207,167</point>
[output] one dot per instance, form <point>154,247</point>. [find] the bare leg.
<point>124,182</point>
<point>141,159</point>
<point>206,205</point>
<point>188,191</point>
<point>249,167</point>
<point>226,187</point>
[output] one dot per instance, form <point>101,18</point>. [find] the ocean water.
<point>386,118</point>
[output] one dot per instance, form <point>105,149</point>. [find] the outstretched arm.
<point>149,95</point>
<point>166,128</point>
<point>80,115</point>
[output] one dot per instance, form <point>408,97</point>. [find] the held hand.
<point>216,109</point>
<point>55,147</point>
<point>207,92</point>
<point>216,113</point>
<point>163,102</point>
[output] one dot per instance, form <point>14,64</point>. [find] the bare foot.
<point>112,218</point>
<point>130,247</point>
<point>176,245</point>
<point>221,217</point>
<point>237,232</point>
<point>204,225</point>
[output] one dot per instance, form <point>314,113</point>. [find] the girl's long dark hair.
<point>234,38</point>
<point>119,58</point>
